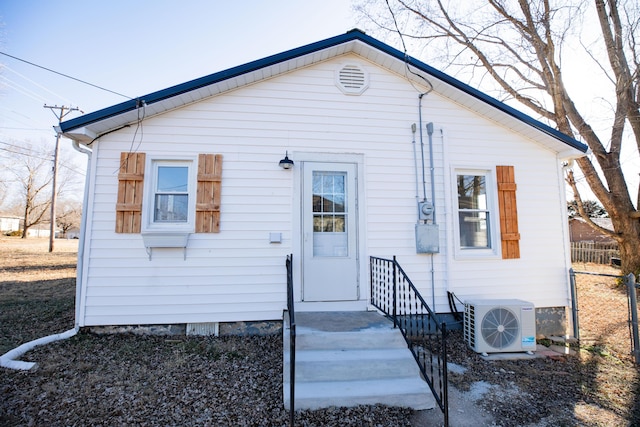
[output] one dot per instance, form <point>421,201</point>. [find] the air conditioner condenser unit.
<point>500,326</point>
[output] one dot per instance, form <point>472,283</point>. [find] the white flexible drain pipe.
<point>7,360</point>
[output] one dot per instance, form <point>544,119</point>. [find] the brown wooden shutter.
<point>208,193</point>
<point>130,185</point>
<point>508,212</point>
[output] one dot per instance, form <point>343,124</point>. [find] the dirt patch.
<point>596,386</point>
<point>133,380</point>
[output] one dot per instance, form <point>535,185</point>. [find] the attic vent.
<point>352,79</point>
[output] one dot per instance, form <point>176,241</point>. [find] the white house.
<point>189,215</point>
<point>9,223</point>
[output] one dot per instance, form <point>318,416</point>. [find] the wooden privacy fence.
<point>598,253</point>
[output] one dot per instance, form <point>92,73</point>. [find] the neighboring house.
<point>39,231</point>
<point>9,224</point>
<point>580,231</point>
<point>72,233</point>
<point>189,216</point>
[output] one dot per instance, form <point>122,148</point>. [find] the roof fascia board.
<point>205,81</point>
<point>475,93</point>
<point>352,35</point>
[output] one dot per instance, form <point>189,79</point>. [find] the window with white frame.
<point>163,196</point>
<point>171,197</point>
<point>475,216</point>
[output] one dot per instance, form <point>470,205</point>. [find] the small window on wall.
<point>172,199</point>
<point>180,195</point>
<point>475,216</point>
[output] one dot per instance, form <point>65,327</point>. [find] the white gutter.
<point>7,360</point>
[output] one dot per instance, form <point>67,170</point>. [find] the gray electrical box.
<point>427,239</point>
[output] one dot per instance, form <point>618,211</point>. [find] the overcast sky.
<point>135,47</point>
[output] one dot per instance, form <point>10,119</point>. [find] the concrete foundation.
<point>269,327</point>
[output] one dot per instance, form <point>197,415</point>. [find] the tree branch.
<point>581,210</point>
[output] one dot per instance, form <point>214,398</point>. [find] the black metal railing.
<point>292,340</point>
<point>393,293</point>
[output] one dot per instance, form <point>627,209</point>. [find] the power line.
<point>64,75</point>
<point>32,129</point>
<point>36,84</point>
<point>23,90</point>
<point>31,154</point>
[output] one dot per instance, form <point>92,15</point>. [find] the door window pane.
<point>329,214</point>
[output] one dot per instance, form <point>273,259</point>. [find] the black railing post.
<point>395,292</point>
<point>292,341</point>
<point>445,379</point>
<point>371,289</point>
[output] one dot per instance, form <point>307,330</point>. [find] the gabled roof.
<point>89,126</point>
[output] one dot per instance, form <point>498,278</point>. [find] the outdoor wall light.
<point>286,163</point>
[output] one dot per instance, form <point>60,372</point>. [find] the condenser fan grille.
<point>500,327</point>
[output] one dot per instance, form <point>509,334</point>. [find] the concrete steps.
<point>352,358</point>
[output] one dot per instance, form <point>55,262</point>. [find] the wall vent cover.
<point>352,79</point>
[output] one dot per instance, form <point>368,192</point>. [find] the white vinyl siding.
<point>237,275</point>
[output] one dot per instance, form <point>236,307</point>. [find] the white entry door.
<point>329,221</point>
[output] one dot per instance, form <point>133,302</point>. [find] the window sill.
<point>475,254</point>
<point>165,240</point>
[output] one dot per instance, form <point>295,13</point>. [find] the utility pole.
<point>63,111</point>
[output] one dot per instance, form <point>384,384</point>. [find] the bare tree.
<point>30,173</point>
<point>519,47</point>
<point>32,179</point>
<point>68,215</point>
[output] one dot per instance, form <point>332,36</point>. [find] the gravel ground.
<point>157,381</point>
<point>130,380</point>
<point>124,379</point>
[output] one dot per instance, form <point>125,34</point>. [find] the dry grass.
<point>101,380</point>
<point>37,289</point>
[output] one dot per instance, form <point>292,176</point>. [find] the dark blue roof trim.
<point>305,50</point>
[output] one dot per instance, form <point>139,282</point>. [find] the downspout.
<point>8,360</point>
<point>566,231</point>
<point>83,230</point>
